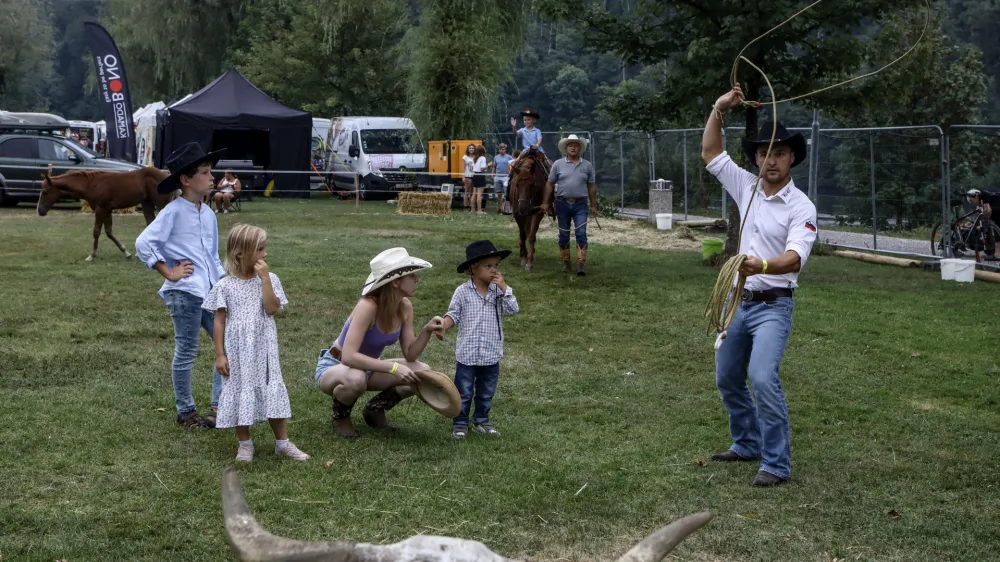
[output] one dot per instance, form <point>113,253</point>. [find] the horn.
<point>656,546</point>
<point>251,543</point>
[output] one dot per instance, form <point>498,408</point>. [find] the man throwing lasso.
<point>778,231</point>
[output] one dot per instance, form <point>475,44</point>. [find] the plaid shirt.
<point>480,334</point>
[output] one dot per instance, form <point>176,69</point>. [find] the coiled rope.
<point>722,304</point>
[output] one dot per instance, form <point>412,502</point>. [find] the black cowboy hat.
<point>185,158</point>
<point>480,250</point>
<point>781,135</point>
<point>530,113</point>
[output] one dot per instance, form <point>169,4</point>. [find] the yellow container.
<point>444,158</point>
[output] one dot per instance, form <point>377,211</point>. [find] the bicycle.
<point>971,232</point>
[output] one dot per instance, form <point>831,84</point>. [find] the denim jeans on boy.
<point>578,212</point>
<point>189,318</point>
<point>482,378</point>
<point>753,348</point>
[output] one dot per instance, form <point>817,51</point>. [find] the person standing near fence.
<point>574,182</point>
<point>501,165</point>
<point>479,171</point>
<point>778,231</point>
<point>468,162</point>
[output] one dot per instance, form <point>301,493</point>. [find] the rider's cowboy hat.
<point>439,392</point>
<point>573,138</point>
<point>480,250</point>
<point>781,135</point>
<point>184,159</point>
<point>530,113</point>
<point>391,265</point>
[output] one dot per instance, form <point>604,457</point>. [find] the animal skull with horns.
<point>251,543</point>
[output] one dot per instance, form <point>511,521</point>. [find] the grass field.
<point>606,401</point>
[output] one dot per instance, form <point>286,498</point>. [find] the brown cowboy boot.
<point>564,254</point>
<point>581,258</point>
<point>342,423</point>
<point>375,409</point>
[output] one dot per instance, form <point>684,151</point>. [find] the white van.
<point>381,151</point>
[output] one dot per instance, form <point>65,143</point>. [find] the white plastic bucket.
<point>948,269</point>
<point>965,271</point>
<point>664,221</point>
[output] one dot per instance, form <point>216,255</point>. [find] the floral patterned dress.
<point>254,390</point>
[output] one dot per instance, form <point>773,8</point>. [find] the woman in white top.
<point>227,187</point>
<point>479,179</point>
<point>468,162</point>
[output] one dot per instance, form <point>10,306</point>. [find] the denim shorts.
<point>325,362</point>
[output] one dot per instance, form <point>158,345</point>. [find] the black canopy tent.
<point>232,113</point>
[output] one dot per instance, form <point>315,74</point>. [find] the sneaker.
<point>244,453</point>
<point>192,420</point>
<point>292,452</point>
<point>226,212</point>
<point>486,428</point>
<point>459,431</point>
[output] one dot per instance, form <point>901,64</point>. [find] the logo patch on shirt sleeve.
<point>810,226</point>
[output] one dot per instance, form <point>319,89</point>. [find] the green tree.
<point>978,22</point>
<point>26,49</point>
<point>73,92</point>
<point>941,84</point>
<point>174,47</point>
<point>690,46</point>
<point>330,57</point>
<point>462,53</point>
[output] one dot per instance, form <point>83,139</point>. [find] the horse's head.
<point>50,194</point>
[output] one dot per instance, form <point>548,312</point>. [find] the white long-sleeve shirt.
<point>776,224</point>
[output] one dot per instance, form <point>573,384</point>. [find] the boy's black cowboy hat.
<point>530,113</point>
<point>188,156</point>
<point>480,250</point>
<point>781,135</point>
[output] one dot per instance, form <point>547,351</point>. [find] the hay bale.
<point>419,203</point>
<point>85,208</point>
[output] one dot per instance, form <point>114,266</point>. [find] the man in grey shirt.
<point>575,182</point>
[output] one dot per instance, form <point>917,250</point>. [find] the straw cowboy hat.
<point>391,265</point>
<point>480,250</point>
<point>188,156</point>
<point>573,138</point>
<point>796,142</point>
<point>439,392</point>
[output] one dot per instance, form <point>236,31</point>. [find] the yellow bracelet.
<point>764,270</point>
<point>394,367</point>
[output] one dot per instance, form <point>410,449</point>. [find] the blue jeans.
<point>754,345</point>
<point>578,213</point>
<point>188,316</point>
<point>484,379</point>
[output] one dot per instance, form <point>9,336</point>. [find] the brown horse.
<point>527,189</point>
<point>104,192</point>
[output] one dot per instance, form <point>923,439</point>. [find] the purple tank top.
<point>374,342</point>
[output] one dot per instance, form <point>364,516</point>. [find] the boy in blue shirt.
<point>530,137</point>
<point>182,245</point>
<point>501,167</point>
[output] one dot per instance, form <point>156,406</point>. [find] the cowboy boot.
<point>375,409</point>
<point>564,254</point>
<point>581,258</point>
<point>342,423</point>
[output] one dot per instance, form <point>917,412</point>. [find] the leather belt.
<point>766,296</point>
<point>335,352</point>
<point>570,199</point>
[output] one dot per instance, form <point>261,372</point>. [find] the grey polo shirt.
<point>571,178</point>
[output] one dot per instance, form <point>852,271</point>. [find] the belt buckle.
<point>747,295</point>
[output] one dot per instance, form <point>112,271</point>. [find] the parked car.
<point>28,148</point>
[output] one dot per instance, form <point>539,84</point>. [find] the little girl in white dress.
<point>246,344</point>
